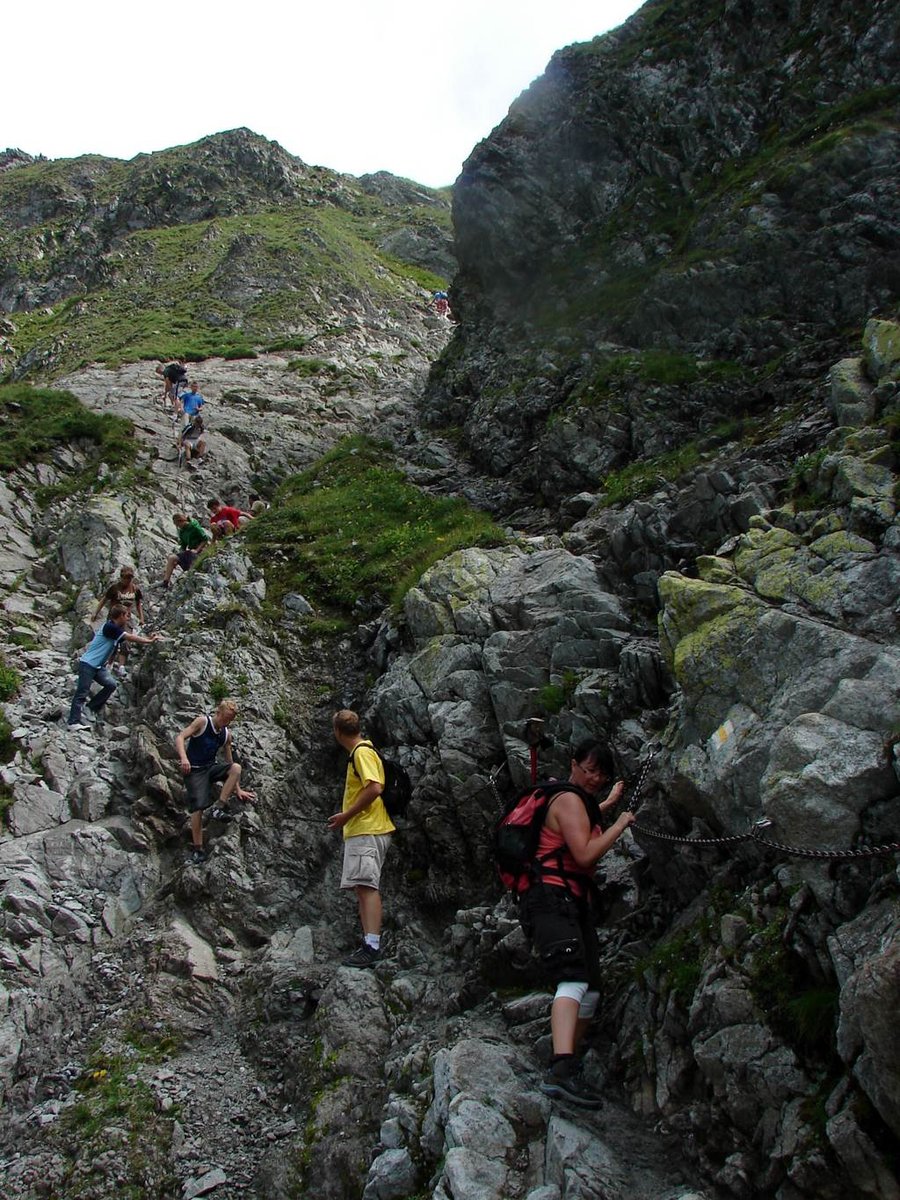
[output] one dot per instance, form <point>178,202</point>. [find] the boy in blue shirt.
<point>191,401</point>
<point>92,664</point>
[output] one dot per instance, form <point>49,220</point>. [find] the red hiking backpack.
<point>517,833</point>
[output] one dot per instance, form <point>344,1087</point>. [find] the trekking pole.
<point>534,734</point>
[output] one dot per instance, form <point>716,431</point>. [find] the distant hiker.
<point>191,400</point>
<point>192,440</point>
<point>173,374</point>
<point>441,303</point>
<point>198,746</point>
<point>224,519</point>
<point>367,833</point>
<point>555,912</point>
<point>92,664</point>
<point>192,538</point>
<point>124,591</point>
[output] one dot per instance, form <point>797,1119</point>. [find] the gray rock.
<point>392,1176</point>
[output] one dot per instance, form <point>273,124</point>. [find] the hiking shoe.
<point>198,856</point>
<point>565,1081</point>
<point>221,814</point>
<point>79,725</point>
<point>365,956</point>
<point>121,672</point>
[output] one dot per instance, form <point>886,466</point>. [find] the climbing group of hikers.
<point>546,845</point>
<point>105,657</point>
<point>185,406</point>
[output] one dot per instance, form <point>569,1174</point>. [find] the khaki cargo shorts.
<point>364,857</point>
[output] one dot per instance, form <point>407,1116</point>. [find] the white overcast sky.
<point>408,86</point>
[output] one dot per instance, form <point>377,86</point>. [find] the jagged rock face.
<point>711,180</point>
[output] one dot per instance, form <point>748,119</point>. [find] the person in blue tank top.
<point>198,746</point>
<point>92,666</point>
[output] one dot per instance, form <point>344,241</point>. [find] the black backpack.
<point>517,833</point>
<point>397,791</point>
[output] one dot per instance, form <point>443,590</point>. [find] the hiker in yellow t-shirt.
<point>367,832</point>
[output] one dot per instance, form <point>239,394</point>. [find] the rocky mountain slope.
<point>216,248</point>
<point>718,597</point>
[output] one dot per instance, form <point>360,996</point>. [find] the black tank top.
<point>203,747</point>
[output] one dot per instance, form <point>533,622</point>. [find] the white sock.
<point>373,940</point>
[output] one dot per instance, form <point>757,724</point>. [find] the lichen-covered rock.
<point>852,401</point>
<point>881,347</point>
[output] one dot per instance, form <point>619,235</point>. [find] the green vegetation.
<point>554,697</point>
<point>804,1012</point>
<point>641,478</point>
<point>286,343</point>
<point>304,367</point>
<point>353,528</point>
<point>218,688</point>
<point>652,367</point>
<point>320,1081</point>
<point>25,640</point>
<point>153,1041</point>
<point>805,485</point>
<point>34,421</point>
<point>10,680</point>
<point>110,1092</point>
<point>679,960</point>
<point>118,1109</point>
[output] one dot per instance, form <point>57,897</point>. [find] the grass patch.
<point>304,367</point>
<point>554,697</point>
<point>118,1109</point>
<point>641,478</point>
<point>153,1041</point>
<point>7,745</point>
<point>679,960</point>
<point>10,680</point>
<point>620,373</point>
<point>286,343</point>
<point>352,528</point>
<point>35,421</point>
<point>25,640</point>
<point>804,1012</point>
<point>805,486</point>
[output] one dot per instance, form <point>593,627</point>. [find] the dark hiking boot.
<point>564,1080</point>
<point>198,856</point>
<point>221,814</point>
<point>365,956</point>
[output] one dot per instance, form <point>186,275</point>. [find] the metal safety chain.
<point>755,835</point>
